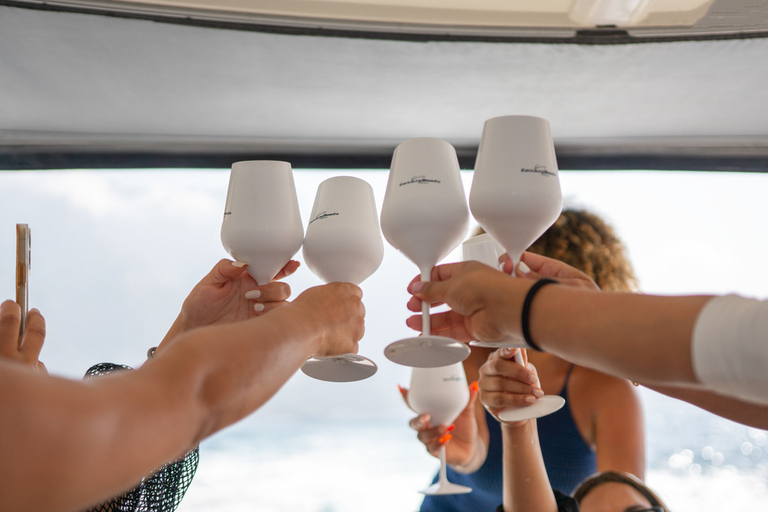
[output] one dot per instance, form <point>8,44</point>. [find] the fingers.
<point>337,312</point>
<point>446,323</point>
<point>287,270</point>
<point>420,422</point>
<point>269,296</point>
<point>505,383</point>
<point>226,270</point>
<point>34,337</point>
<point>404,394</point>
<point>32,341</point>
<point>10,321</point>
<point>541,266</point>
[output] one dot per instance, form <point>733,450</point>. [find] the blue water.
<point>695,460</point>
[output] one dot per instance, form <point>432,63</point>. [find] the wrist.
<point>475,460</point>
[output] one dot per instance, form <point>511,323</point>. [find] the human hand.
<point>483,301</point>
<point>504,383</point>
<point>229,294</point>
<point>459,439</point>
<point>336,315</point>
<point>31,343</point>
<point>535,266</point>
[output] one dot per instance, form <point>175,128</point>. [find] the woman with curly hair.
<point>599,429</point>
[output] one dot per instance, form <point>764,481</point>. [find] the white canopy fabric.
<point>81,83</point>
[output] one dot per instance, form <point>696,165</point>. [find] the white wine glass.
<point>516,197</point>
<point>343,243</point>
<point>262,224</point>
<point>425,216</point>
<point>443,394</point>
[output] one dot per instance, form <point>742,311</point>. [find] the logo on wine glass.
<point>323,215</point>
<point>421,180</point>
<point>539,169</point>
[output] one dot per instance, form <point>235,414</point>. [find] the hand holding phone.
<point>23,256</point>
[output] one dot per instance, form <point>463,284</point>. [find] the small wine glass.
<point>516,197</point>
<point>343,243</point>
<point>425,216</point>
<point>262,224</point>
<point>443,394</point>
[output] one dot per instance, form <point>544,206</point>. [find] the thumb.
<point>430,291</point>
<point>227,270</point>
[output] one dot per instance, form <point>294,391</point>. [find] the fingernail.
<point>444,439</point>
<point>258,306</point>
<point>416,287</point>
<point>533,379</point>
<point>239,264</point>
<point>523,267</point>
<point>474,386</point>
<point>538,393</point>
<point>530,399</point>
<point>449,429</point>
<point>253,294</point>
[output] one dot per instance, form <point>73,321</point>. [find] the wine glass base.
<point>542,407</point>
<point>345,368</point>
<point>508,341</point>
<point>439,488</point>
<point>427,351</point>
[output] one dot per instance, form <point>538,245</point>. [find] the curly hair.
<point>584,241</point>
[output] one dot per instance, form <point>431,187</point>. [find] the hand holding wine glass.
<point>343,243</point>
<point>443,394</point>
<point>425,216</point>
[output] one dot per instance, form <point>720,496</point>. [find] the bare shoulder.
<point>596,390</point>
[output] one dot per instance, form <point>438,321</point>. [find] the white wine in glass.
<point>443,394</point>
<point>516,197</point>
<point>343,243</point>
<point>262,224</point>
<point>425,216</point>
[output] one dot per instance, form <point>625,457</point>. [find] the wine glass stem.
<point>426,327</point>
<point>443,466</point>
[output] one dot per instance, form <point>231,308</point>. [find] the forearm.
<point>526,484</point>
<point>639,337</point>
<point>54,452</point>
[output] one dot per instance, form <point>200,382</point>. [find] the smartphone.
<point>23,256</point>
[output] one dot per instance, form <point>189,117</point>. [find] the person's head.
<point>584,241</point>
<point>612,491</point>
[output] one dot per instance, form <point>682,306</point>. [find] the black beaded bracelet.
<point>532,291</point>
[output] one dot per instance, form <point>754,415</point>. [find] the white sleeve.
<point>729,350</point>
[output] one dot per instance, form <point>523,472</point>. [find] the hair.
<point>586,242</point>
<point>618,477</point>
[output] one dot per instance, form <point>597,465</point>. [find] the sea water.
<point>695,460</point>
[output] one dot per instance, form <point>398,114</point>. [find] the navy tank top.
<point>567,457</point>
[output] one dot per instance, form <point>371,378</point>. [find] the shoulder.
<point>597,391</point>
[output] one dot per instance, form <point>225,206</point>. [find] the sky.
<point>114,253</point>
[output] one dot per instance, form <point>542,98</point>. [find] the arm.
<point>616,420</point>
<point>54,433</point>
<point>504,383</point>
<point>746,413</point>
<point>639,337</point>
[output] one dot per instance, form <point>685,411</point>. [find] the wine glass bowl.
<point>262,224</point>
<point>515,194</point>
<point>425,216</point>
<point>443,394</point>
<point>343,240</point>
<point>516,197</point>
<point>343,243</point>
